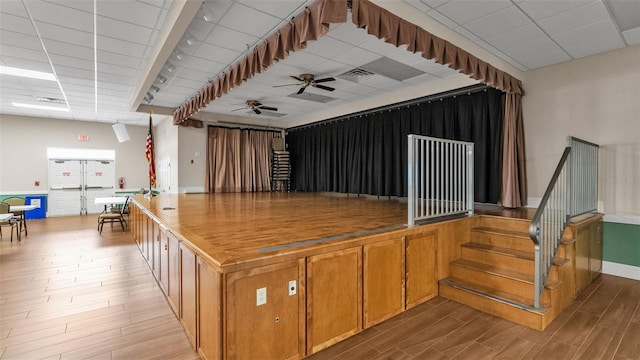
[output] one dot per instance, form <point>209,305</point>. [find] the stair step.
<point>502,272</point>
<point>490,292</point>
<point>524,255</point>
<point>504,238</point>
<point>499,304</point>
<point>499,222</point>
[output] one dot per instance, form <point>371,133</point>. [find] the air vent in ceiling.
<point>356,75</point>
<point>51,100</point>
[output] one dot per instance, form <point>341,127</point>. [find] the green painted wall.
<point>621,243</point>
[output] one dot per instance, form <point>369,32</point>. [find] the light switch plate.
<point>292,287</point>
<point>261,296</point>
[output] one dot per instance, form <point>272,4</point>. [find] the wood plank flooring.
<point>68,293</point>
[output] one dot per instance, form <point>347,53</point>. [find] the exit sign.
<point>83,137</point>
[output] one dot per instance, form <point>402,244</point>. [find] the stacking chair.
<point>11,222</point>
<point>112,217</point>
<point>19,215</point>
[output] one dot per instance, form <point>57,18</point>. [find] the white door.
<point>164,175</point>
<point>65,187</point>
<point>100,179</point>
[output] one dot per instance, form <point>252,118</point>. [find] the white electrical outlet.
<point>292,287</point>
<point>261,296</point>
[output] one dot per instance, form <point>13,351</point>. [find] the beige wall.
<point>24,142</point>
<point>596,98</point>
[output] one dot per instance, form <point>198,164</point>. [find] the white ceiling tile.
<point>327,47</point>
<point>516,37</point>
<point>120,47</point>
<point>418,5</point>
<point>249,21</point>
<point>466,33</point>
<point>574,18</point>
<point>379,82</point>
<point>498,22</point>
<point>332,68</point>
<point>279,8</point>
<point>22,53</point>
<point>540,9</point>
<point>406,57</point>
<point>422,79</point>
<point>20,40</point>
<point>632,36</point>
<point>434,3</point>
<point>304,60</point>
<point>591,39</point>
<point>214,9</point>
<point>16,24</point>
<point>442,19</point>
<point>216,53</point>
<point>538,54</point>
<point>13,8</point>
<point>427,65</point>
<point>69,49</point>
<point>60,15</point>
<point>379,46</point>
<point>137,13</point>
<point>200,29</point>
<point>196,75</point>
<point>348,33</point>
<point>204,65</point>
<point>445,72</point>
<point>232,39</point>
<point>59,33</point>
<point>464,11</point>
<point>122,30</point>
<point>356,57</point>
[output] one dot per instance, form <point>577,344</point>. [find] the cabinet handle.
<point>165,247</point>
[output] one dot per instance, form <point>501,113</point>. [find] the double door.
<point>75,184</point>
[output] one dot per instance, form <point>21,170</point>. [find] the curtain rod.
<point>243,126</point>
<point>439,96</point>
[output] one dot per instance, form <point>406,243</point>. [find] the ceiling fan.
<point>256,106</point>
<point>310,80</point>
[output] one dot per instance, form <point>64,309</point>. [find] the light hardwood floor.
<point>68,293</point>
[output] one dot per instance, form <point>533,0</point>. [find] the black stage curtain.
<point>367,154</point>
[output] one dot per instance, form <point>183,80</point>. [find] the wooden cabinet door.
<point>264,319</point>
<point>209,311</point>
<point>163,278</point>
<point>334,297</point>
<point>155,249</point>
<point>595,250</point>
<point>383,276</point>
<point>582,274</point>
<point>420,265</point>
<point>188,295</point>
<point>173,283</point>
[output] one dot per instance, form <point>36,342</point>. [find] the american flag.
<point>149,153</point>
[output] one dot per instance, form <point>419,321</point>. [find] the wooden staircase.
<point>495,274</point>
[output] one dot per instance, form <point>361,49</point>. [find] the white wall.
<point>24,142</point>
<point>192,158</point>
<point>166,145</point>
<point>596,98</point>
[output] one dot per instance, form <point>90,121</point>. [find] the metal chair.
<point>4,209</point>
<point>110,217</point>
<point>19,215</point>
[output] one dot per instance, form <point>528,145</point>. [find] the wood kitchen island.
<point>285,275</point>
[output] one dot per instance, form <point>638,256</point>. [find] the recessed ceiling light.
<point>7,70</point>
<point>40,107</point>
<point>162,79</point>
<point>154,89</point>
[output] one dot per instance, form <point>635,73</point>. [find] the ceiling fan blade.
<point>301,90</point>
<point>238,109</point>
<point>268,108</point>
<point>256,111</point>
<point>257,103</point>
<point>324,87</point>
<point>285,85</point>
<point>295,77</point>
<point>324,80</point>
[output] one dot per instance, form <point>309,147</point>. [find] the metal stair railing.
<point>572,191</point>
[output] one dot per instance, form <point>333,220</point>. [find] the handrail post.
<point>470,185</point>
<point>538,277</point>
<point>410,181</point>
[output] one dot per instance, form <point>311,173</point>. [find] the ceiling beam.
<point>176,23</point>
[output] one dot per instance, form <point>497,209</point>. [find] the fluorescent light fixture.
<point>154,89</point>
<point>40,107</point>
<point>162,79</point>
<point>7,70</point>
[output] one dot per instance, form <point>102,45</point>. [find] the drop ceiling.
<point>159,53</point>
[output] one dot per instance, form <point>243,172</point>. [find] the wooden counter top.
<point>234,228</point>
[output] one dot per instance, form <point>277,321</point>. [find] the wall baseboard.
<point>191,190</point>
<point>622,270</point>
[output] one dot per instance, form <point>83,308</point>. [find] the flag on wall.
<point>150,154</point>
